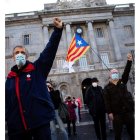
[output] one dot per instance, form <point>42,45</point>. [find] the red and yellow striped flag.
<point>77,48</point>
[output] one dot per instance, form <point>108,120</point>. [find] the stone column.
<point>92,41</point>
<point>45,34</point>
<point>115,41</point>
<point>68,34</point>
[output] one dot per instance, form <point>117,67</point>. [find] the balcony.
<point>76,69</point>
<point>88,68</point>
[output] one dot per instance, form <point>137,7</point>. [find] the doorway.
<point>85,84</point>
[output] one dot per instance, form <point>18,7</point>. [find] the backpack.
<point>63,112</point>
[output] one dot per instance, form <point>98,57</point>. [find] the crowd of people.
<point>32,106</point>
<point>115,100</point>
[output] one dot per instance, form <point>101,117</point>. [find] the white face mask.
<point>20,59</point>
<point>94,84</point>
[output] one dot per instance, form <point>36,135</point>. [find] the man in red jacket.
<point>29,108</point>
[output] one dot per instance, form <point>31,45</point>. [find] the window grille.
<point>128,31</point>
<point>105,59</point>
<point>99,32</point>
<point>26,39</point>
<point>83,61</point>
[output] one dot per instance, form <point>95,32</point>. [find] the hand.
<point>48,89</point>
<point>111,116</point>
<point>57,22</point>
<point>129,56</point>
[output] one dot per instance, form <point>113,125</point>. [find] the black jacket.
<point>94,100</point>
<point>117,98</point>
<point>55,96</point>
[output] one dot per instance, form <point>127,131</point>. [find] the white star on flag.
<point>79,42</point>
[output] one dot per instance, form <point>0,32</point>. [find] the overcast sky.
<point>17,6</point>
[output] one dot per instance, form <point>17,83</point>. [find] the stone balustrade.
<point>88,68</point>
<point>33,13</point>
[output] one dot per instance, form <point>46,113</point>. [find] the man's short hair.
<point>20,46</point>
<point>69,97</point>
<point>113,71</point>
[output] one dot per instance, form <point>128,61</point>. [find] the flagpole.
<point>100,58</point>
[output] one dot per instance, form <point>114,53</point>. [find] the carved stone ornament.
<point>68,4</point>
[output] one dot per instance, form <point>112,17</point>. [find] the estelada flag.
<point>77,48</point>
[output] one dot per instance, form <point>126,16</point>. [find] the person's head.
<point>114,75</point>
<point>73,98</point>
<point>94,82</point>
<point>49,86</point>
<point>69,98</point>
<point>20,55</point>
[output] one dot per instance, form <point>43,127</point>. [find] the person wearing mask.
<point>72,116</point>
<point>29,108</point>
<point>119,101</point>
<point>95,102</point>
<point>56,99</point>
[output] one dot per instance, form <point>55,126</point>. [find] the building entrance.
<point>85,84</point>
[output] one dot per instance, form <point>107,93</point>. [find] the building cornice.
<point>39,16</point>
<point>123,13</point>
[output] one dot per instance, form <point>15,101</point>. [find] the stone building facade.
<point>109,30</point>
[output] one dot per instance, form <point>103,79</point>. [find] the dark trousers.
<point>73,126</point>
<point>100,126</point>
<point>41,133</point>
<point>119,121</point>
<point>79,113</point>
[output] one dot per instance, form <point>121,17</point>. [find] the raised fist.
<point>57,22</point>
